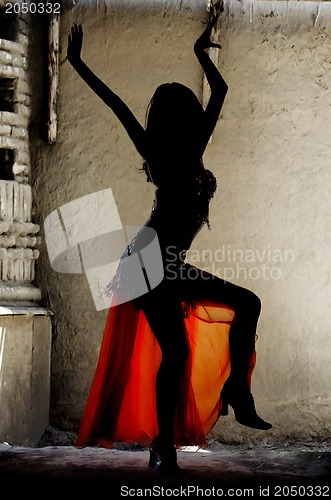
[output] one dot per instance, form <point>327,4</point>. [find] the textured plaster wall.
<point>272,155</point>
<point>270,219</point>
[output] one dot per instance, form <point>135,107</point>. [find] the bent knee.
<point>255,303</point>
<point>250,304</point>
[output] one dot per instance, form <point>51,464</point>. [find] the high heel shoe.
<point>164,458</point>
<point>154,461</point>
<point>242,403</point>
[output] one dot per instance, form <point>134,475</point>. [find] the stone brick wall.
<point>25,328</point>
<point>18,234</point>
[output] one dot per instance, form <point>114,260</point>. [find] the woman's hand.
<point>204,42</point>
<point>75,41</point>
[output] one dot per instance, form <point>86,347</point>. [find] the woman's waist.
<point>173,237</point>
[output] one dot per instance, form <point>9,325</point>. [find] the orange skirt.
<point>121,404</point>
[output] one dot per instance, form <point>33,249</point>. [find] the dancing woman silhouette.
<point>154,398</point>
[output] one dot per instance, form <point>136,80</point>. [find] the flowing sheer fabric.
<point>121,404</point>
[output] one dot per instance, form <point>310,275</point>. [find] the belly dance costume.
<point>121,403</point>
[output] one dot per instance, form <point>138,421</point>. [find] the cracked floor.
<point>266,469</point>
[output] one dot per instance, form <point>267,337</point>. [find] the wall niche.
<point>7,96</point>
<point>6,164</point>
<point>8,25</point>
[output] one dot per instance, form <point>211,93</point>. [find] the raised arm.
<point>135,131</point>
<point>216,82</point>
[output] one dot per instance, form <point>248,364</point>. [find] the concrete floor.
<point>262,469</point>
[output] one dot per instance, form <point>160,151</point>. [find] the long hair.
<point>172,119</point>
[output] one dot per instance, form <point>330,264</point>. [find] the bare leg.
<point>163,311</point>
<point>166,322</point>
<point>247,306</point>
